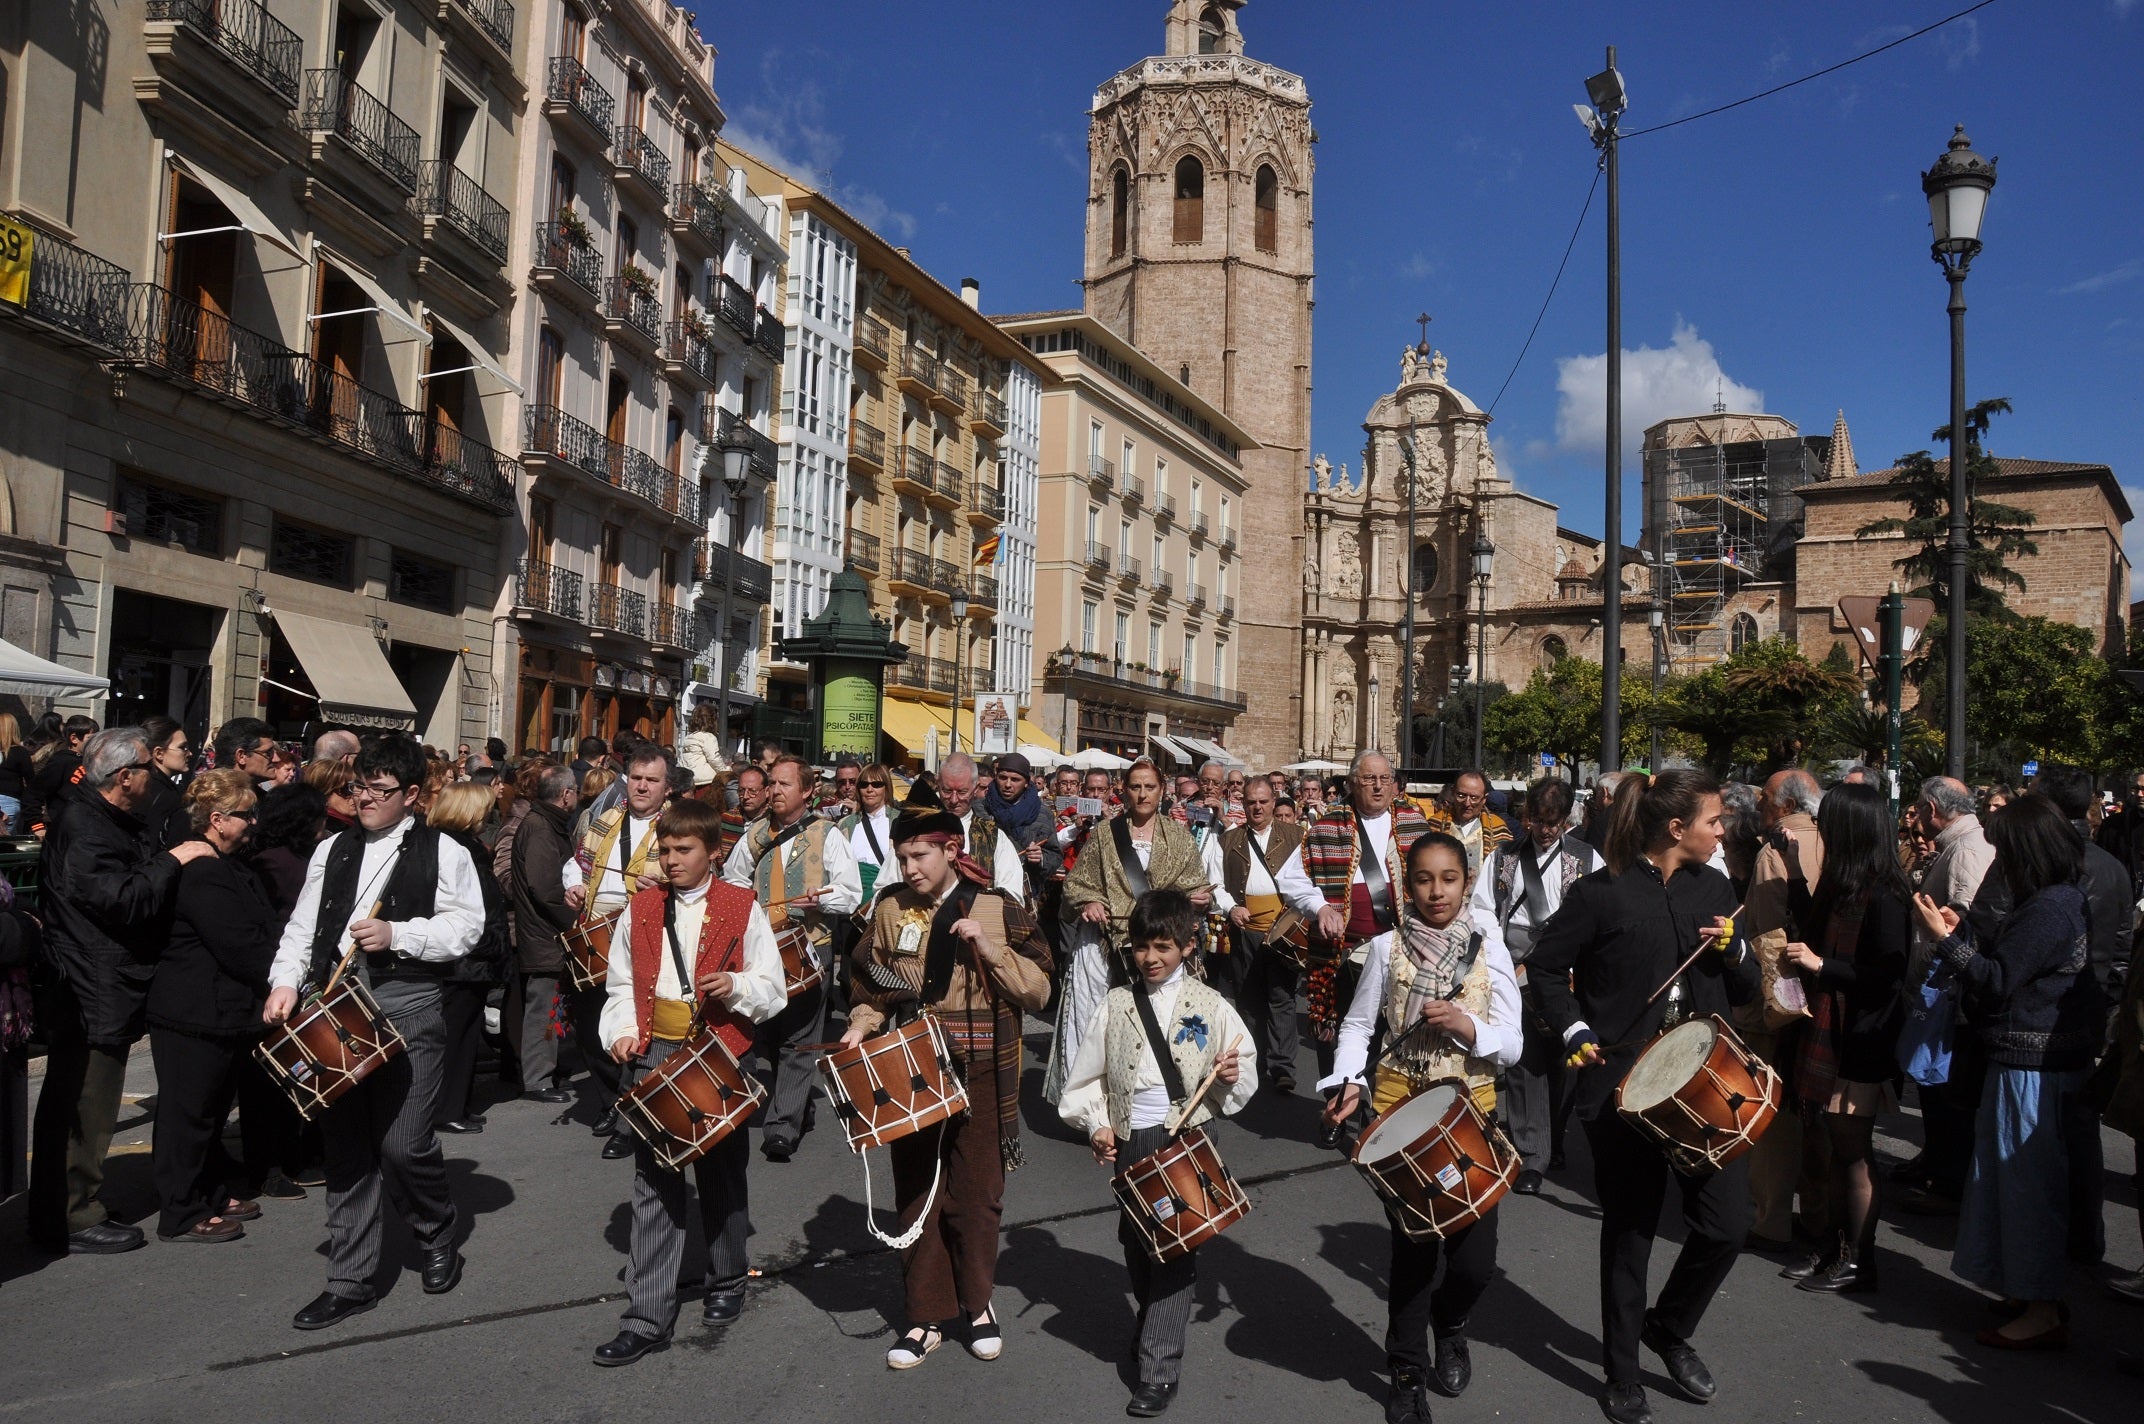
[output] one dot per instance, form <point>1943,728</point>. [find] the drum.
<point>587,947</point>
<point>1438,1163</point>
<point>691,1100</point>
<point>1180,1197</point>
<point>800,962</point>
<point>898,1083</point>
<point>1294,937</point>
<point>327,1047</point>
<point>1700,1094</point>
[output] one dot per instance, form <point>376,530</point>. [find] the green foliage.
<point>1761,708</point>
<point>1996,533</point>
<point>1559,712</point>
<point>2035,690</point>
<point>1456,717</point>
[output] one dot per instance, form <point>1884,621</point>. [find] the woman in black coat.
<point>205,1014</point>
<point>461,811</point>
<point>1859,931</point>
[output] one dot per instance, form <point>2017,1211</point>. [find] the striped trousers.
<point>1164,1290</point>
<point>658,1231</point>
<point>380,1148</point>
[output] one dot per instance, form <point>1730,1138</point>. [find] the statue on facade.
<point>1436,368</point>
<point>1321,473</point>
<point>1347,565</point>
<point>1343,718</point>
<point>1409,365</point>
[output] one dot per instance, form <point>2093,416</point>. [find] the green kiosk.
<point>848,650</point>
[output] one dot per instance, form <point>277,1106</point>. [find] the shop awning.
<point>242,207</point>
<point>376,294</point>
<point>1171,748</point>
<point>1033,736</point>
<point>24,671</point>
<point>349,673</point>
<point>479,361</point>
<point>910,723</point>
<point>1212,751</point>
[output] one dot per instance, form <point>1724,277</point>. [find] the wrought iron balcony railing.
<point>619,609</point>
<point>636,306</point>
<point>769,335</point>
<point>862,553</point>
<point>564,249</point>
<point>494,18</point>
<point>337,104</point>
<point>638,155</point>
<point>735,305</point>
<point>571,85</point>
<point>689,347</point>
<point>546,588</point>
<point>255,40</point>
<point>76,291</point>
<point>444,191</point>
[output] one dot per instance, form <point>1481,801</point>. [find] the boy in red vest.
<point>721,932</point>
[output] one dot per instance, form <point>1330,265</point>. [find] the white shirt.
<point>881,823</point>
<point>844,887</point>
<point>1551,884</point>
<point>1498,1039</point>
<point>451,931</point>
<point>611,887</point>
<point>1260,881</point>
<point>1299,890</point>
<point>1085,1103</point>
<point>756,988</point>
<point>1210,857</point>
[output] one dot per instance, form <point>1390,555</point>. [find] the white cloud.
<point>1682,378</point>
<point>1418,267</point>
<point>2099,281</point>
<point>789,130</point>
<point>1960,43</point>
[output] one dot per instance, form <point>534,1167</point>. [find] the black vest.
<point>411,887</point>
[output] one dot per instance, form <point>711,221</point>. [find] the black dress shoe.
<point>1814,1263</point>
<point>1282,1083</point>
<point>276,1186</point>
<point>1328,1136</point>
<point>619,1146</point>
<point>627,1347</point>
<point>1683,1365</point>
<point>777,1149</point>
<point>106,1238</point>
<point>329,1308</point>
<point>442,1270</point>
<point>1406,1401</point>
<point>606,1124</point>
<point>1149,1400</point>
<point>1848,1275</point>
<point>1454,1368</point>
<point>1528,1184</point>
<point>1626,1404</point>
<point>722,1306</point>
<point>551,1095</point>
<point>459,1125</point>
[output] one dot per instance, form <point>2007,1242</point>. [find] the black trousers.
<point>1419,1303</point>
<point>1228,968</point>
<point>462,1007</point>
<point>1631,1176</point>
<point>1164,1289</point>
<point>1269,1001</point>
<point>196,1080</point>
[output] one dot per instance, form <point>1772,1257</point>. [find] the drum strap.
<point>677,955</point>
<point>1374,878</point>
<point>878,852</point>
<point>1171,1081</point>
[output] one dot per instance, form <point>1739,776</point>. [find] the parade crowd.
<point>1460,961</point>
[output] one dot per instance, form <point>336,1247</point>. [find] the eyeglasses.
<point>249,815</point>
<point>1368,779</point>
<point>137,766</point>
<point>359,791</point>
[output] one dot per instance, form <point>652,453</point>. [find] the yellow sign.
<point>16,245</point>
<point>850,700</point>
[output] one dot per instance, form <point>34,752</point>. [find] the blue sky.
<point>1780,248</point>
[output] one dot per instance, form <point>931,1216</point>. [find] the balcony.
<point>550,436</point>
<point>945,577</point>
<point>1097,559</point>
<point>919,373</point>
<point>493,19</point>
<point>449,198</point>
<point>632,312</point>
<point>867,445</point>
<point>1131,487</point>
<point>687,354</point>
<point>672,625</point>
<point>1228,608</point>
<point>1163,586</point>
<point>1199,525</point>
<point>541,587</point>
<point>696,218</point>
<point>79,295</point>
<point>204,351</point>
<point>986,505</point>
<point>912,473</point>
<point>226,58</point>
<point>952,389</point>
<point>949,485</point>
<point>735,305</point>
<point>925,674</point>
<point>1196,596</point>
<point>983,589</point>
<point>715,423</point>
<point>1102,472</point>
<point>986,413</point>
<point>679,497</point>
<point>1164,506</point>
<point>637,164</point>
<point>565,264</point>
<point>720,566</point>
<point>617,610</point>
<point>909,571</point>
<point>1128,569</point>
<point>570,93</point>
<point>862,552</point>
<point>341,107</point>
<point>770,336</point>
<point>871,342</point>
<point>1228,540</point>
<point>1114,674</point>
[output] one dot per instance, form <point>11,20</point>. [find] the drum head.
<point>1671,1061</point>
<point>1404,1125</point>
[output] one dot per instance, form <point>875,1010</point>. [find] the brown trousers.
<point>1787,1161</point>
<point>953,1266</point>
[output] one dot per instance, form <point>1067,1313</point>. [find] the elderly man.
<point>989,845</point>
<point>107,891</point>
<point>1479,829</point>
<point>1784,1157</point>
<point>340,744</point>
<point>1252,857</point>
<point>1963,858</point>
<point>536,879</point>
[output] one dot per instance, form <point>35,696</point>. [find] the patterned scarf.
<point>1437,955</point>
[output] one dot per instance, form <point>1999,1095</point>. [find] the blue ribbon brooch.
<point>1192,1026</point>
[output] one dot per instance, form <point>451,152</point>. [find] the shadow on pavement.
<point>1289,1321</point>
<point>1088,1295</point>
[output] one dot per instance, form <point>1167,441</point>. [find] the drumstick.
<point>1702,938</point>
<point>336,977</point>
<point>1178,1117</point>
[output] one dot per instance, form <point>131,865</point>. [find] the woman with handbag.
<point>1845,1070</point>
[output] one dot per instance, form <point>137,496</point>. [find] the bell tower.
<point>1199,253</point>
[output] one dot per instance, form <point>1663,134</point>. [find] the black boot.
<point>1851,1273</point>
<point>1407,1399</point>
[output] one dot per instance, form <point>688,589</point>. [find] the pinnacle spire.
<point>1841,465</point>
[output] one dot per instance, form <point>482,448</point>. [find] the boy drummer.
<point>735,981</point>
<point>1148,1049</point>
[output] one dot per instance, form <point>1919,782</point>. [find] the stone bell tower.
<point>1199,253</point>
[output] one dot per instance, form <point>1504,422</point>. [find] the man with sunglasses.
<point>402,901</point>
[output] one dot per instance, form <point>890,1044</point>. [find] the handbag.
<point>1931,1027</point>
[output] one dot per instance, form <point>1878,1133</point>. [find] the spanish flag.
<point>987,551</point>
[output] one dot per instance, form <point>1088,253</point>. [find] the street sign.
<point>1863,616</point>
<point>1548,761</point>
<point>2032,768</point>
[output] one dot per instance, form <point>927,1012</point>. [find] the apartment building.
<point>252,448</point>
<point>651,276</point>
<point>1138,584</point>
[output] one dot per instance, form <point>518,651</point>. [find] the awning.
<point>1033,736</point>
<point>1212,751</point>
<point>1175,750</point>
<point>249,215</point>
<point>24,671</point>
<point>476,353</point>
<point>910,723</point>
<point>382,303</point>
<point>349,673</point>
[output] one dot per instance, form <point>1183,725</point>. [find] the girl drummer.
<point>1448,1002</point>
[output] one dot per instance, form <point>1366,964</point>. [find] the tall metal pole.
<point>960,671</point>
<point>722,635</point>
<point>1612,503</point>
<point>1960,536</point>
<point>1891,615</point>
<point>1407,633</point>
<point>1481,656</point>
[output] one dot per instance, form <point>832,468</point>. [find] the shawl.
<point>1330,850</point>
<point>1098,874</point>
<point>1436,956</point>
<point>1425,964</point>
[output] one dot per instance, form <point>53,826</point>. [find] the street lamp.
<point>1376,713</point>
<point>1957,188</point>
<point>1609,99</point>
<point>1484,561</point>
<point>960,654</point>
<point>1656,615</point>
<point>735,447</point>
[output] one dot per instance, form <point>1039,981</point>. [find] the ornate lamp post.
<point>1484,560</point>
<point>960,653</point>
<point>735,445</point>
<point>1957,188</point>
<point>1609,100</point>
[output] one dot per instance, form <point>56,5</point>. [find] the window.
<point>1741,633</point>
<point>1213,29</point>
<point>1089,610</point>
<point>550,366</point>
<point>612,553</point>
<point>1190,663</point>
<point>564,183</point>
<point>1094,525</point>
<point>1161,551</point>
<point>1221,520</point>
<point>1130,458</point>
<point>573,34</point>
<point>420,582</point>
<point>543,517</point>
<point>1121,649</point>
<point>1094,445</point>
<point>674,441</point>
<point>302,551</point>
<point>1124,540</point>
<point>194,522</point>
<point>1265,223</point>
<point>628,242</point>
<point>1190,200</point>
<point>1191,567</point>
<point>1161,477</point>
<point>1220,663</point>
<point>1425,568</point>
<point>1120,207</point>
<point>1198,493</point>
<point>1153,643</point>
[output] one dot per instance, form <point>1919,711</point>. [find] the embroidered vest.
<point>1445,1060</point>
<point>1562,863</point>
<point>796,867</point>
<point>720,951</point>
<point>1124,1044</point>
<point>599,851</point>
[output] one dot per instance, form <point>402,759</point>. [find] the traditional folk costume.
<point>780,864</point>
<point>994,851</point>
<point>1465,962</point>
<point>615,851</point>
<point>378,1135</point>
<point>1114,869</point>
<point>650,998</point>
<point>1145,1051</point>
<point>1251,862</point>
<point>1483,837</point>
<point>952,1267</point>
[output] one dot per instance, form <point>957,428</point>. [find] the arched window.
<point>1425,568</point>
<point>1212,30</point>
<point>1120,211</point>
<point>1266,222</point>
<point>1553,651</point>
<point>1190,200</point>
<point>1741,633</point>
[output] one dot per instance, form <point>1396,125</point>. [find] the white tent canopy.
<point>25,672</point>
<point>1040,757</point>
<point>1094,758</point>
<point>1315,764</point>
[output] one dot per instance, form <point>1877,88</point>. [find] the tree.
<point>1559,712</point>
<point>1727,727</point>
<point>2035,690</point>
<point>1771,675</point>
<point>1996,533</point>
<point>1456,717</point>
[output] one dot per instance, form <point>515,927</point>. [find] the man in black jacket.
<point>108,894</point>
<point>542,846</point>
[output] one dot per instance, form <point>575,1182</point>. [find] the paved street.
<point>1288,1327</point>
